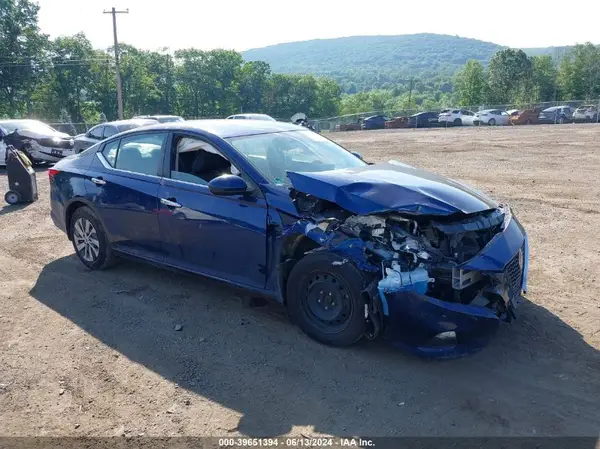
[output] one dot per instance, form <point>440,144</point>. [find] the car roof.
<point>137,121</point>
<point>224,128</point>
<point>250,115</point>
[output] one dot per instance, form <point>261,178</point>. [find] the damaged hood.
<point>391,187</point>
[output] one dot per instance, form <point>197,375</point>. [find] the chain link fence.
<point>352,121</point>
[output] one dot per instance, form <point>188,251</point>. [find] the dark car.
<point>354,250</point>
<point>161,118</point>
<point>556,114</point>
<point>374,122</point>
<point>423,120</point>
<point>106,130</point>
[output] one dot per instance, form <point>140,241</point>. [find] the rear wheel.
<point>457,122</point>
<point>12,197</point>
<point>492,122</point>
<point>89,240</point>
<point>561,120</point>
<point>326,300</point>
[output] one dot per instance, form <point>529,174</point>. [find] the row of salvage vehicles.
<point>489,117</point>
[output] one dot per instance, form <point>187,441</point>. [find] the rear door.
<point>123,184</point>
<point>221,236</point>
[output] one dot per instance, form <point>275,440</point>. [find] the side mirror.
<point>228,185</point>
<point>358,155</point>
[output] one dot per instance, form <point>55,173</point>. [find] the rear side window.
<point>110,152</point>
<point>141,153</point>
<point>109,131</point>
<point>456,111</point>
<point>96,133</point>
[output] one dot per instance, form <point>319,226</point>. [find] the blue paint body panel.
<point>240,239</point>
<point>391,187</point>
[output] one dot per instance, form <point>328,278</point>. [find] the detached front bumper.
<point>433,328</point>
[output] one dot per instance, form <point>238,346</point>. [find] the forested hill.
<point>377,59</point>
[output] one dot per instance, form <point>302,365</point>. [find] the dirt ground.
<point>96,353</point>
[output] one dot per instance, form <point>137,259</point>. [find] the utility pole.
<point>114,13</point>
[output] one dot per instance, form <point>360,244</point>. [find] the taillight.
<point>52,172</point>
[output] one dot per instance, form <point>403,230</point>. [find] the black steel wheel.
<point>324,296</point>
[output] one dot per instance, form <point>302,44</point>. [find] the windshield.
<point>304,151</point>
<point>32,125</point>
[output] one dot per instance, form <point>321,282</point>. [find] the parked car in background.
<point>397,122</point>
<point>491,117</point>
<point>354,250</point>
<point>161,118</point>
<point>42,143</point>
<point>524,117</point>
<point>423,120</point>
<point>556,114</point>
<point>588,113</point>
<point>349,126</point>
<point>456,117</point>
<point>374,122</point>
<point>106,130</point>
<point>251,117</point>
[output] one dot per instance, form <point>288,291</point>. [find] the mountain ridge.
<point>405,53</point>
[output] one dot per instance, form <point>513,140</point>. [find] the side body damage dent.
<point>442,284</point>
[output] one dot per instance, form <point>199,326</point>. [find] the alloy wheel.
<point>86,239</point>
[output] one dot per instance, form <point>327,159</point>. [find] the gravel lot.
<point>96,353</point>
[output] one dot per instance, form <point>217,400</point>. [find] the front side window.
<point>198,162</point>
<point>273,155</point>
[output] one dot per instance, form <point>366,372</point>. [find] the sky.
<point>244,24</point>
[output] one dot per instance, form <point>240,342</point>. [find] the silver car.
<point>105,130</point>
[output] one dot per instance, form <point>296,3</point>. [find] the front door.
<point>123,184</point>
<point>220,236</point>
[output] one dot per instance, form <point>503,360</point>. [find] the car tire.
<point>457,122</point>
<point>492,122</point>
<point>90,241</point>
<point>528,121</point>
<point>561,120</point>
<point>324,297</point>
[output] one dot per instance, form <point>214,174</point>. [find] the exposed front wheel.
<point>89,240</point>
<point>324,295</point>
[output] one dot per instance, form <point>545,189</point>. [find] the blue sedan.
<point>354,250</point>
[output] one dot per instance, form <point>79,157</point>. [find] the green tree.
<point>72,68</point>
<point>544,78</point>
<point>470,83</point>
<point>509,75</point>
<point>579,73</point>
<point>21,54</point>
<point>329,97</point>
<point>252,85</point>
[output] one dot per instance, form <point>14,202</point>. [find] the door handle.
<point>170,203</point>
<point>98,181</point>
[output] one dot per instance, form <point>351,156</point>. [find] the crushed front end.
<point>439,285</point>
